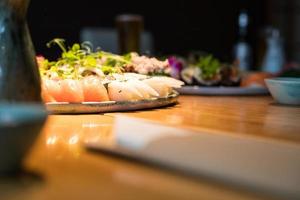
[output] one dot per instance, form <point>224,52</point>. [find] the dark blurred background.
<point>178,27</point>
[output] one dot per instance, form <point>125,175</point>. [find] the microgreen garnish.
<point>81,58</point>
<point>209,66</point>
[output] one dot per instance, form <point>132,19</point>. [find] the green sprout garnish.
<point>82,56</point>
<point>58,41</point>
<point>209,66</point>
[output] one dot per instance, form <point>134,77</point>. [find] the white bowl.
<point>19,126</point>
<point>285,90</point>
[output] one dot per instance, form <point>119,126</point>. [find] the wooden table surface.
<point>59,167</point>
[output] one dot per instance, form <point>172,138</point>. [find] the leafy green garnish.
<point>58,41</point>
<point>82,55</point>
<point>108,69</point>
<point>209,66</point>
<point>89,61</point>
<point>158,73</point>
<point>127,57</point>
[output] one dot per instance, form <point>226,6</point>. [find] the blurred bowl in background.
<point>285,90</point>
<point>20,124</point>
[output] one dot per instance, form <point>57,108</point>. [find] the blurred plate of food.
<point>206,75</point>
<point>196,90</point>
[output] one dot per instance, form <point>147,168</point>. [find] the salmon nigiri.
<point>52,89</point>
<point>94,90</point>
<point>71,91</point>
<point>46,96</point>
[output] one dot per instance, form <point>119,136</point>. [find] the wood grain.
<point>254,116</point>
<point>60,168</point>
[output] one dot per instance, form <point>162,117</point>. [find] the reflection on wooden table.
<point>60,168</point>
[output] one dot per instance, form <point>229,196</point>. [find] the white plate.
<point>110,106</point>
<point>223,91</point>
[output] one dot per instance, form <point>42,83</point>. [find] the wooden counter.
<point>58,166</point>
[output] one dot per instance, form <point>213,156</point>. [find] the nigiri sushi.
<point>94,90</point>
<point>163,85</point>
<point>145,90</point>
<point>72,91</point>
<point>123,91</point>
<point>45,94</point>
<point>51,90</point>
<point>171,82</point>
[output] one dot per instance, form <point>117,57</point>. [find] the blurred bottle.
<point>274,58</point>
<point>19,75</point>
<point>242,49</point>
<point>129,29</point>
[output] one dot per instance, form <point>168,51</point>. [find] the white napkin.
<point>136,134</point>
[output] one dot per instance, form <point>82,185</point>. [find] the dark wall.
<point>178,26</point>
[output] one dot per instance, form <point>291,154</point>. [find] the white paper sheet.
<point>258,163</point>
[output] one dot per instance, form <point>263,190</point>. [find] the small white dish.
<point>285,90</point>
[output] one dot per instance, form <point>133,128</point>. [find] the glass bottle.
<point>274,58</point>
<point>19,76</point>
<point>242,49</point>
<point>129,29</point>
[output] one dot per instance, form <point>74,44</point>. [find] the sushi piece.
<point>51,90</point>
<point>145,90</point>
<point>162,88</point>
<point>47,98</point>
<point>94,90</point>
<point>171,82</point>
<point>230,75</point>
<point>163,85</point>
<point>72,91</point>
<point>256,79</point>
<point>135,76</point>
<point>123,91</point>
<point>187,75</point>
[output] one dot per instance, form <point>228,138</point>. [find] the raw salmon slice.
<point>45,94</point>
<point>94,90</point>
<point>53,89</point>
<point>71,91</point>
